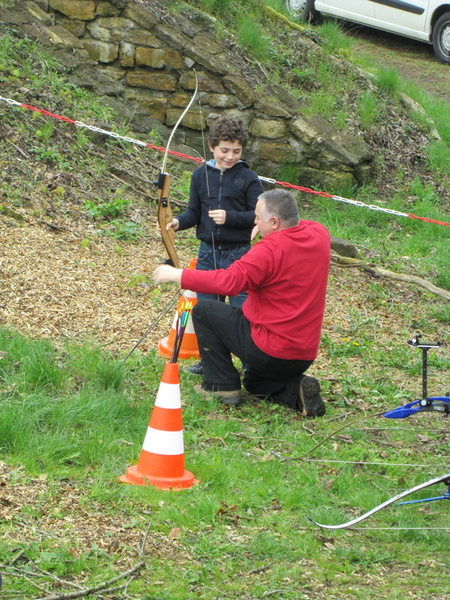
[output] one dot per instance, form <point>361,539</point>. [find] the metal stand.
<point>424,347</point>
<point>425,404</point>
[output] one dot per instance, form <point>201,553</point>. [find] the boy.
<point>222,200</point>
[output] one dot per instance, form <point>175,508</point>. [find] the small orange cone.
<point>161,462</point>
<point>189,345</point>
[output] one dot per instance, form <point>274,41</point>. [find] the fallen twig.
<point>344,261</point>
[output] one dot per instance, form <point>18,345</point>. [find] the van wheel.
<point>441,38</point>
<point>301,9</point>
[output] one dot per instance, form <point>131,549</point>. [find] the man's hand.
<point>167,274</point>
<point>218,215</point>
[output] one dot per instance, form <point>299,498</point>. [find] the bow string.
<point>165,215</point>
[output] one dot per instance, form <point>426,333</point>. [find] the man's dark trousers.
<point>222,330</point>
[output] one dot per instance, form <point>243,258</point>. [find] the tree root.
<point>344,261</point>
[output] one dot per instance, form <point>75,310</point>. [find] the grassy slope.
<point>73,418</point>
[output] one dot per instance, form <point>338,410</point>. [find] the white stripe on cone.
<point>163,442</point>
<point>168,395</point>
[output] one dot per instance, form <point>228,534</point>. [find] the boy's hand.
<point>219,216</point>
<point>174,224</point>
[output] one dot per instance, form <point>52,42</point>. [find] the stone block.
<point>141,15</point>
<point>61,37</point>
<point>216,63</point>
<point>221,100</point>
<point>112,73</point>
<point>241,88</point>
<point>154,105</point>
<point>127,54</point>
<point>206,83</point>
<point>103,52</point>
<point>76,28</point>
<point>304,130</point>
<point>38,13</point>
<point>106,9</point>
<point>278,152</point>
<point>140,37</point>
<point>152,81</point>
<point>194,119</point>
<point>272,108</point>
<point>267,128</point>
<point>158,58</point>
<point>325,179</point>
<point>75,9</point>
<point>43,4</point>
<point>344,248</point>
<point>111,29</point>
<point>172,37</point>
<point>206,45</point>
<point>180,99</point>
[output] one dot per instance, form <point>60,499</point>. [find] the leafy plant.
<point>107,210</point>
<point>122,230</point>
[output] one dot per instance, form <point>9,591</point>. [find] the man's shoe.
<point>232,398</point>
<point>196,369</point>
<point>311,404</point>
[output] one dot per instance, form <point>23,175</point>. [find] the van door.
<point>347,10</point>
<point>407,17</point>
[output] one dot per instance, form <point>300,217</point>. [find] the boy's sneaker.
<point>196,369</point>
<point>310,403</point>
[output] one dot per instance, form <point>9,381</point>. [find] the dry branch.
<point>98,588</point>
<point>344,261</point>
<point>102,588</point>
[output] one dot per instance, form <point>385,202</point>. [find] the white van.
<point>425,20</point>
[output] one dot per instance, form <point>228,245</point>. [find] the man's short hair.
<point>281,203</point>
<point>228,129</point>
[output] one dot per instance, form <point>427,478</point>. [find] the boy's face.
<point>227,154</point>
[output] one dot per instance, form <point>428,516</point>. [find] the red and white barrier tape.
<point>201,160</point>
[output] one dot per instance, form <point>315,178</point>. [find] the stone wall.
<point>143,59</point>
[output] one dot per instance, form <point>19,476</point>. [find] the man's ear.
<point>276,223</point>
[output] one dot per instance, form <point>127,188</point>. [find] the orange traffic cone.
<point>161,462</point>
<point>189,345</point>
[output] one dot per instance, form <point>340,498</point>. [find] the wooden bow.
<point>165,215</point>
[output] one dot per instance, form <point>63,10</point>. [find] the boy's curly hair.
<point>228,129</point>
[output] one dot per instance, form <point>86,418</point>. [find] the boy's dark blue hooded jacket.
<point>234,190</point>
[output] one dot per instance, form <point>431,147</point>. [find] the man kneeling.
<point>276,333</point>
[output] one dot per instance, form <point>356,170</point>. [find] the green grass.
<point>244,528</point>
<point>251,37</point>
